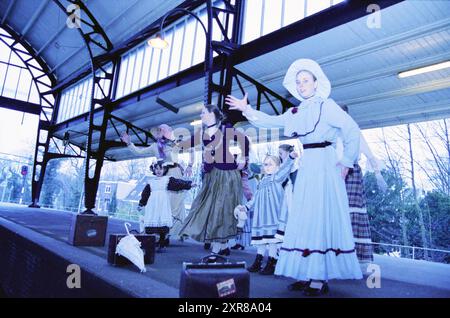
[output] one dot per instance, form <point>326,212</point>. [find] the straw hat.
<point>323,84</point>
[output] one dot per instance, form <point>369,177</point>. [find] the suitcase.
<point>88,230</point>
<point>214,280</point>
<point>148,243</point>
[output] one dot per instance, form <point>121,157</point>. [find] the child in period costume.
<point>156,200</point>
<point>162,149</point>
<point>266,207</point>
<point>318,243</point>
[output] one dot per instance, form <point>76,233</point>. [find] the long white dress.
<point>158,211</point>
<point>318,242</point>
<point>176,197</point>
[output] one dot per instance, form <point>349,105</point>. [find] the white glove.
<point>240,213</point>
<point>141,224</point>
<point>236,211</point>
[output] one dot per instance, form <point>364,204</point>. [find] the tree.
<point>435,136</point>
<point>52,185</point>
<point>395,165</point>
<point>417,209</point>
<point>438,206</point>
<point>14,185</point>
<point>113,204</point>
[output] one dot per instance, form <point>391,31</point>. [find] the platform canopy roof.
<point>362,59</point>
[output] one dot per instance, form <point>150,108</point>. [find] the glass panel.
<point>165,59</point>
<point>272,16</point>
<point>200,41</point>
<point>294,10</point>
<point>137,70</point>
<point>62,107</point>
<point>24,85</point>
<point>122,76</point>
<point>34,95</point>
<point>11,81</point>
<point>130,69</point>
<point>156,56</point>
<point>176,49</point>
<point>15,60</point>
<point>4,52</point>
<point>316,6</point>
<point>3,68</point>
<point>146,65</point>
<point>188,45</point>
<point>252,25</point>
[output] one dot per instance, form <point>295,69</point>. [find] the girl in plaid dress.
<point>357,202</point>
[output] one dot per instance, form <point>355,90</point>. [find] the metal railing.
<point>414,250</point>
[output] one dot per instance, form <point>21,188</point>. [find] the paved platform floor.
<point>399,277</point>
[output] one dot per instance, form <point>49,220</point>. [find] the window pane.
<point>130,69</point>
<point>4,52</point>
<point>188,44</point>
<point>85,100</point>
<point>252,25</point>
<point>122,76</point>
<point>137,69</point>
<point>316,6</point>
<point>146,65</point>
<point>154,65</point>
<point>24,85</point>
<point>176,49</point>
<point>34,95</point>
<point>12,79</point>
<point>15,60</point>
<point>272,16</point>
<point>294,10</point>
<point>3,68</point>
<point>60,107</point>
<point>200,41</point>
<point>163,69</point>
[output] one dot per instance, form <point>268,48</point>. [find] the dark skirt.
<point>211,216</point>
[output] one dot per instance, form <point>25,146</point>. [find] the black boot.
<point>313,292</point>
<point>225,252</point>
<point>257,264</point>
<point>238,247</point>
<point>299,285</point>
<point>269,269</point>
<point>161,243</point>
<point>207,246</point>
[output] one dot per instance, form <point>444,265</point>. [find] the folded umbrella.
<point>130,248</point>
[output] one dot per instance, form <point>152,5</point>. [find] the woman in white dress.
<point>318,243</point>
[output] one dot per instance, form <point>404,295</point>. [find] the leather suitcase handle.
<point>224,259</point>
